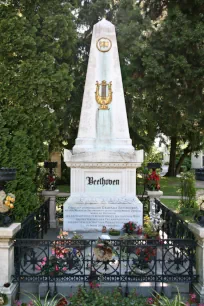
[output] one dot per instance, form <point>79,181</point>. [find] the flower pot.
<point>5,220</point>
<point>200,220</point>
<point>50,165</point>
<point>153,165</point>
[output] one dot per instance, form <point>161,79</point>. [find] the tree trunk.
<point>172,161</point>
<point>181,159</point>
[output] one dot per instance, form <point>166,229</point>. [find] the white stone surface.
<point>7,252</point>
<point>103,161</point>
<point>197,162</point>
<point>103,66</point>
<point>153,194</point>
<point>107,212</point>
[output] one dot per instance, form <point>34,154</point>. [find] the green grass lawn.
<point>172,204</point>
<point>169,186</point>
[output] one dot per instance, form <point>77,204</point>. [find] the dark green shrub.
<point>94,297</point>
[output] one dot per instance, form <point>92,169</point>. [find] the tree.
<point>36,56</point>
<point>142,129</point>
<point>164,68</point>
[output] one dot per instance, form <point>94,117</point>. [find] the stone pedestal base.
<point>153,194</point>
<point>198,231</point>
<point>91,214</point>
<point>11,293</point>
<point>51,194</point>
<point>7,260</point>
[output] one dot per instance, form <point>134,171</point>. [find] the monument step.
<point>142,289</point>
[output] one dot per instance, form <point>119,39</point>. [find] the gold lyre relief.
<point>102,98</point>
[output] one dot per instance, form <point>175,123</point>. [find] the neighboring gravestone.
<point>103,161</point>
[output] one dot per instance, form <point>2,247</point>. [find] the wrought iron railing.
<point>174,226</point>
<point>116,261</point>
<point>36,224</point>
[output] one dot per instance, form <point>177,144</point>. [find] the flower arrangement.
<point>148,228</point>
<point>129,227</point>
<point>152,181</point>
<point>144,256</point>
<point>62,258</point>
<point>10,200</point>
<point>103,251</point>
<point>6,201</point>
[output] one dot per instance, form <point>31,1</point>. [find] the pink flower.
<point>38,268</point>
<point>44,259</point>
<point>64,269</point>
<point>43,263</point>
<point>150,301</point>
<point>187,304</point>
<point>192,298</point>
<point>56,268</point>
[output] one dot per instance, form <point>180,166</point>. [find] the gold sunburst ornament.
<point>104,98</point>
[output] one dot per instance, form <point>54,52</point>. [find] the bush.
<point>95,297</point>
<point>188,190</point>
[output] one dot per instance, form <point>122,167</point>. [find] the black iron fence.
<point>174,226</point>
<point>36,224</point>
<point>115,261</point>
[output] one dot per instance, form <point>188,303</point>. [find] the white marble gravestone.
<point>103,161</point>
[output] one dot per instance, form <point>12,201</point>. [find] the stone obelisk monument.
<point>103,161</point>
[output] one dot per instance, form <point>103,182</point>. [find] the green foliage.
<point>37,301</point>
<point>163,71</point>
<point>36,57</point>
<point>188,190</point>
<point>153,156</point>
<point>95,297</point>
<point>162,300</point>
